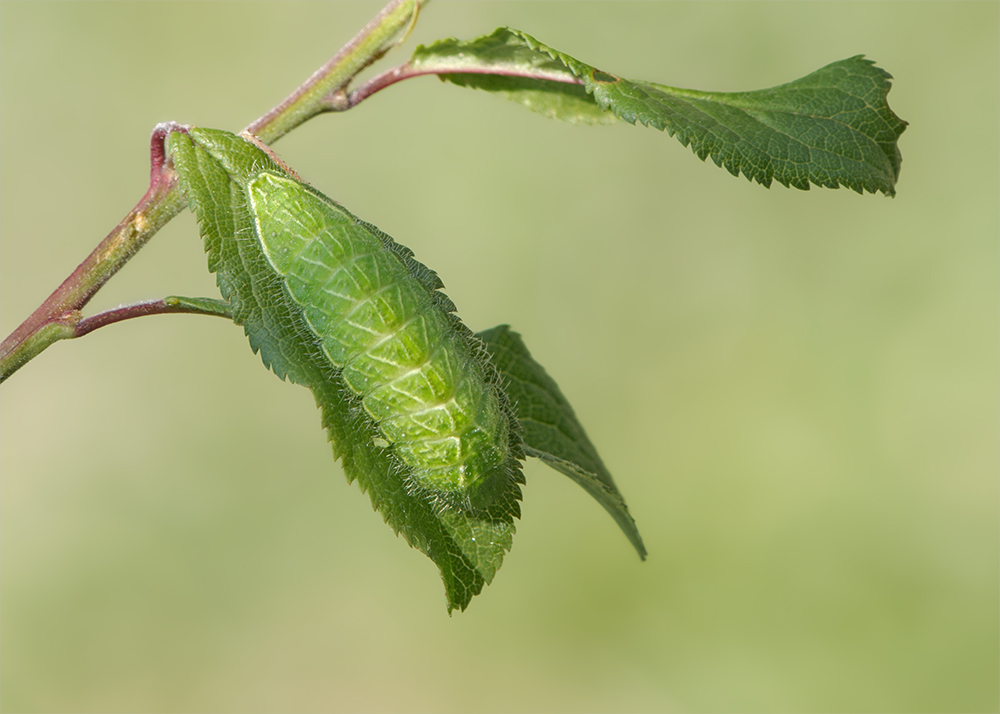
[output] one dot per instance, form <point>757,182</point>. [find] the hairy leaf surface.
<point>830,128</point>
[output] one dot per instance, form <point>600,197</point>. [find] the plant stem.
<point>325,89</point>
<point>54,318</point>
<point>59,316</point>
<point>166,306</point>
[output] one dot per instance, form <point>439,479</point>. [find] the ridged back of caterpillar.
<point>380,317</point>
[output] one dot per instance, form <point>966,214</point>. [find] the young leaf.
<point>204,306</point>
<point>218,174</point>
<point>550,429</point>
<point>832,127</point>
<point>503,63</point>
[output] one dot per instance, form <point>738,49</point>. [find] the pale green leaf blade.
<point>503,63</point>
<point>213,168</point>
<point>550,429</point>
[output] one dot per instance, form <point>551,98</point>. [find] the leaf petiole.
<point>165,306</point>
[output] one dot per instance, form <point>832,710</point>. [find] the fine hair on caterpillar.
<point>375,317</point>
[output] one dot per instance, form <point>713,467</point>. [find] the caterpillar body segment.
<point>378,315</point>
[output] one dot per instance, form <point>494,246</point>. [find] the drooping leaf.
<point>214,169</point>
<point>830,128</point>
<point>551,431</point>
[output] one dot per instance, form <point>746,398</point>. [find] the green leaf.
<point>830,128</point>
<point>504,64</point>
<point>551,431</point>
<point>214,170</point>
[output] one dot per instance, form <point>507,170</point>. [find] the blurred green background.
<point>796,391</point>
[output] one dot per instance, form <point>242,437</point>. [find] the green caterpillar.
<point>422,378</point>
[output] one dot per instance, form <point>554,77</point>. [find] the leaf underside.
<point>550,429</point>
<point>830,128</point>
<point>505,64</point>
